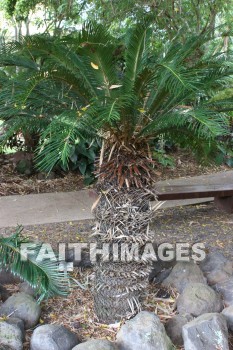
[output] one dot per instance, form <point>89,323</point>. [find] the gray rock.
<point>14,321</point>
<point>161,270</point>
<point>52,337</point>
<point>25,287</point>
<point>84,263</point>
<point>198,299</point>
<point>6,277</point>
<point>174,328</point>
<point>162,276</point>
<point>96,344</point>
<point>24,166</point>
<point>226,290</point>
<point>144,331</point>
<point>182,274</point>
<point>216,267</point>
<point>11,337</point>
<point>228,314</point>
<point>207,332</point>
<point>4,294</point>
<point>23,306</point>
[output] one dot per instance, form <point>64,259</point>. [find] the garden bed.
<point>200,223</point>
<point>12,183</point>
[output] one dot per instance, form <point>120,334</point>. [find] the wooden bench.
<point>223,194</point>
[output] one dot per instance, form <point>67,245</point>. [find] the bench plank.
<point>193,191</point>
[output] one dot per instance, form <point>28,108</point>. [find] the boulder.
<point>11,337</point>
<point>6,277</point>
<point>53,337</point>
<point>206,332</point>
<point>144,331</point>
<point>25,287</point>
<point>228,314</point>
<point>22,306</point>
<point>96,344</point>
<point>182,274</point>
<point>14,321</point>
<point>160,270</point>
<point>24,167</point>
<point>226,290</point>
<point>216,268</point>
<point>4,294</point>
<point>84,263</point>
<point>174,328</point>
<point>198,299</point>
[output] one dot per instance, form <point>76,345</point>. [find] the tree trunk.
<point>31,141</point>
<point>122,217</point>
<point>27,25</point>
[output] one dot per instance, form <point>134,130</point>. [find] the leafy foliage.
<point>91,84</point>
<point>169,17</point>
<point>83,158</point>
<point>41,275</point>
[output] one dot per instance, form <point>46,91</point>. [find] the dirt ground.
<point>13,183</point>
<point>191,224</point>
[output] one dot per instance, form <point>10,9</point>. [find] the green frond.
<point>59,138</point>
<point>44,276</point>
<point>204,123</point>
<point>89,83</point>
<point>136,53</point>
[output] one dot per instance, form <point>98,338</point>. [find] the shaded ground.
<point>13,183</point>
<point>200,223</point>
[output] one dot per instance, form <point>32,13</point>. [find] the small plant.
<point>164,159</point>
<point>161,148</point>
<point>225,153</point>
<point>83,158</point>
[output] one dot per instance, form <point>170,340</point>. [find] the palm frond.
<point>136,53</point>
<point>204,123</point>
<point>44,276</point>
<point>59,139</point>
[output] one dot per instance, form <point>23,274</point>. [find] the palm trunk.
<point>122,217</point>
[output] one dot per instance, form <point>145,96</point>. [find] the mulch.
<point>202,223</point>
<point>12,183</point>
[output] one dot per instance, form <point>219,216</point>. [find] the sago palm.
<point>126,93</point>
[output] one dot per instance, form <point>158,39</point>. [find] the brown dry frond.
<point>126,165</point>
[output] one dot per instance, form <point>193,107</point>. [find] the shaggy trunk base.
<point>122,217</point>
<point>119,289</point>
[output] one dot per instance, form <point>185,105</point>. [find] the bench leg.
<point>224,203</point>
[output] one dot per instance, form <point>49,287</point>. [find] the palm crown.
<point>91,84</point>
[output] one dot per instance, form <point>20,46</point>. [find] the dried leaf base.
<point>122,216</point>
